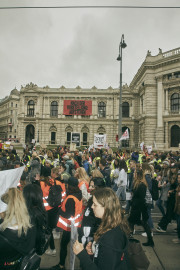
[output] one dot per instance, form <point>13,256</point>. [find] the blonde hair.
<point>97,174</point>
<point>139,176</point>
<point>82,175</point>
<point>16,213</point>
<point>112,216</point>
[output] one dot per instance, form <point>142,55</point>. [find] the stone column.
<point>160,100</point>
<point>167,104</point>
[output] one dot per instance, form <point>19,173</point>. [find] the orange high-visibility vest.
<point>83,182</point>
<point>45,190</point>
<point>65,223</point>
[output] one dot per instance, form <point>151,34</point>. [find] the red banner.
<point>77,107</point>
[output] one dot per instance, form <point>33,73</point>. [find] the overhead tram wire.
<point>93,7</point>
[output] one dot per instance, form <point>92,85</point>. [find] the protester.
<point>90,223</point>
<point>83,179</point>
<point>177,211</point>
<point>17,235</point>
<point>122,181</point>
<point>34,201</point>
<point>139,213</point>
<point>105,171</point>
<point>110,241</point>
<point>70,210</point>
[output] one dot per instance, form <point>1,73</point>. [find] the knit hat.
<point>73,181</point>
<point>166,162</point>
<point>66,157</point>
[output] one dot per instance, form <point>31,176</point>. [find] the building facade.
<point>150,109</point>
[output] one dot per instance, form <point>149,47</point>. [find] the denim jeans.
<point>121,193</point>
<point>159,204</point>
<point>178,225</point>
<point>150,222</point>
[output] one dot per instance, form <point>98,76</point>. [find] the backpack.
<point>89,169</point>
<point>155,190</point>
<point>137,257</point>
<point>71,169</point>
<point>55,196</point>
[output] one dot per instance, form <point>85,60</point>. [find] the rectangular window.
<point>53,137</point>
<point>85,138</point>
<point>68,137</point>
<point>11,104</point>
<point>11,112</point>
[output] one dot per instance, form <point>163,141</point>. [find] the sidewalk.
<point>164,256</point>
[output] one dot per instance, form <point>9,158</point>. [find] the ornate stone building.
<point>150,109</point>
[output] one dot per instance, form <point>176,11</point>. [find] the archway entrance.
<point>175,136</point>
<point>30,131</point>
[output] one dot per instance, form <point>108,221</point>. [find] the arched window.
<point>30,132</point>
<point>30,108</point>
<point>175,102</point>
<point>125,109</point>
<point>101,109</point>
<point>68,131</point>
<point>175,136</point>
<point>54,108</point>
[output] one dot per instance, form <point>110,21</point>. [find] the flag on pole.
<point>125,135</point>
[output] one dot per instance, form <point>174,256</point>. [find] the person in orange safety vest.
<point>71,210</point>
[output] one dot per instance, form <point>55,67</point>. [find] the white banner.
<point>90,147</point>
<point>99,140</point>
<point>125,135</point>
<point>142,146</point>
<point>8,179</point>
<point>149,149</point>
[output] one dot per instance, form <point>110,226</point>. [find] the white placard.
<point>99,140</point>
<point>149,149</point>
<point>74,237</point>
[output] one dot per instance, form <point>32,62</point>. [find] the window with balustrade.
<point>30,108</point>
<point>175,102</point>
<point>101,109</point>
<point>54,109</point>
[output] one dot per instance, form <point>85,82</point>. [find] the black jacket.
<point>138,207</point>
<point>111,252</point>
<point>16,247</point>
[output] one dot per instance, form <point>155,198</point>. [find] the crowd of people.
<point>104,193</point>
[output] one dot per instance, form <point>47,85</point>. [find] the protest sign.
<point>99,140</point>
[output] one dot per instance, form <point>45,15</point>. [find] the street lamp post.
<point>122,45</point>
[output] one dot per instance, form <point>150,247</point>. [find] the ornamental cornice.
<point>159,77</point>
<point>173,124</point>
<point>171,92</point>
<point>51,99</point>
<point>28,98</point>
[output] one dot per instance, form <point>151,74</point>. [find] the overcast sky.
<point>74,47</point>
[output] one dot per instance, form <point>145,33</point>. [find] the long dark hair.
<point>34,200</point>
<point>122,165</point>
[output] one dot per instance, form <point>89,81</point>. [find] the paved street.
<point>164,256</point>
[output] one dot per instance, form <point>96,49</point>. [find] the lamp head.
<point>118,58</point>
<point>123,44</point>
